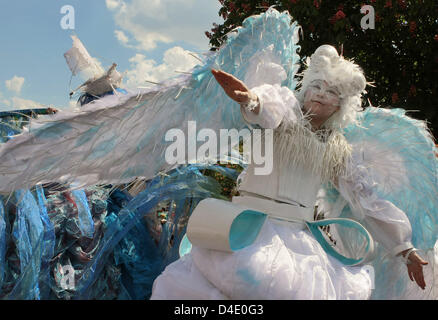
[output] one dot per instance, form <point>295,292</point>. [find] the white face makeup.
<point>321,100</point>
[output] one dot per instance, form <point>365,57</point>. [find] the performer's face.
<point>321,101</point>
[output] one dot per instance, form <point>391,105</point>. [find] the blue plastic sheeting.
<point>86,223</point>
<point>143,260</point>
<point>87,98</point>
<point>48,245</point>
<point>28,233</point>
<point>7,131</point>
<point>2,243</point>
<point>111,246</point>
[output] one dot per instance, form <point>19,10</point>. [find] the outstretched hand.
<point>415,269</point>
<point>51,110</point>
<point>233,87</point>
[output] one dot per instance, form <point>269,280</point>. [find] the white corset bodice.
<point>295,185</point>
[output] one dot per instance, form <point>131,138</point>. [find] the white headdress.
<point>346,76</point>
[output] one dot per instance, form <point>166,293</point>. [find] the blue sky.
<point>148,39</point>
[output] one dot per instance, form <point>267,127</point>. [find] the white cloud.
<point>20,103</point>
<point>121,36</point>
<point>152,22</point>
<point>72,104</point>
<point>15,84</point>
<point>17,103</point>
<point>3,101</point>
<point>112,4</point>
<point>175,59</point>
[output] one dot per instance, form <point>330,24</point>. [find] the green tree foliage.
<point>400,55</point>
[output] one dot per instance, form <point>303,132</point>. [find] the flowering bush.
<point>400,55</point>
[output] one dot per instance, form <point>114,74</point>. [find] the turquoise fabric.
<point>314,228</point>
<point>245,228</point>
<point>185,246</point>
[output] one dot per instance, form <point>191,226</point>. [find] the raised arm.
<point>236,89</point>
<point>265,105</point>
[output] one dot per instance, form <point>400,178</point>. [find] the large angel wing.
<point>400,155</point>
<point>118,138</point>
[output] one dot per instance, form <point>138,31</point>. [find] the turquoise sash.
<point>247,225</point>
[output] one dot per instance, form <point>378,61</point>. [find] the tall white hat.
<point>326,64</point>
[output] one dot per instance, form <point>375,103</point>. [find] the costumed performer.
<point>285,261</point>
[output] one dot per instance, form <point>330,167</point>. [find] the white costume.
<point>379,160</point>
<point>285,261</point>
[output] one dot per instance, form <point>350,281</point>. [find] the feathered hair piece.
<point>326,64</point>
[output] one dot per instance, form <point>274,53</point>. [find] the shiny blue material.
<point>86,223</point>
<point>2,242</point>
<point>28,234</point>
<point>48,244</point>
<point>141,258</point>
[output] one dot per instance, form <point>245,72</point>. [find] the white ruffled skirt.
<point>284,262</point>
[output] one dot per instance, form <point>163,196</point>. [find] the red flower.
<point>436,37</point>
<point>373,1</point>
<point>412,90</point>
<point>340,15</point>
<point>378,17</point>
<point>332,20</point>
<point>208,34</point>
<point>412,26</point>
<point>395,97</point>
<point>316,4</point>
<point>388,4</point>
<point>232,6</point>
<point>402,4</point>
<point>246,7</point>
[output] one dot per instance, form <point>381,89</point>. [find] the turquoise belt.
<point>245,224</point>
